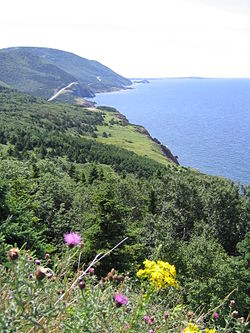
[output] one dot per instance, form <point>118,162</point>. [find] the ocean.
<point>205,122</point>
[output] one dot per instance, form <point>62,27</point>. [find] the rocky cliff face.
<point>166,151</point>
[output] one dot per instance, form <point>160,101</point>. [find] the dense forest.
<point>55,177</point>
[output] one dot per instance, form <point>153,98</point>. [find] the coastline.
<point>139,128</point>
<point>204,121</point>
<point>124,135</point>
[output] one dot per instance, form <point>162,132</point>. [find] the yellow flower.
<point>161,274</point>
<point>191,328</point>
<point>210,330</point>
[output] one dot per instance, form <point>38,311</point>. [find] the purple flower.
<point>146,319</point>
<point>72,239</point>
<point>120,299</point>
<point>127,326</point>
<point>216,315</point>
<point>37,262</point>
<point>150,322</point>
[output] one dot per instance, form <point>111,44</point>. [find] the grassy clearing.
<point>121,134</point>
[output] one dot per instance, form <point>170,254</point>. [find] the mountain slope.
<point>89,72</point>
<point>43,72</point>
<point>23,71</point>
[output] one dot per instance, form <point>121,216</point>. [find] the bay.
<point>206,122</point>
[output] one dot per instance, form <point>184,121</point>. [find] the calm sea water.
<point>206,122</point>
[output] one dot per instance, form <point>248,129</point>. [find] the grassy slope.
<point>127,136</point>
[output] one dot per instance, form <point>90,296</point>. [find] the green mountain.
<point>94,74</point>
<point>45,72</point>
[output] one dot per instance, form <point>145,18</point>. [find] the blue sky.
<point>138,38</point>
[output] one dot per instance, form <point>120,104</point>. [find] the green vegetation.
<point>56,177</point>
<point>42,72</point>
<point>87,72</point>
<point>44,295</point>
<point>120,133</point>
<point>25,72</point>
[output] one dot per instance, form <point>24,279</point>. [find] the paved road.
<point>61,91</point>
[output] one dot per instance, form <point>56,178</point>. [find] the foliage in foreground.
<point>200,221</point>
<point>53,180</point>
<point>55,296</point>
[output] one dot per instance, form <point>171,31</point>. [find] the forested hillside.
<point>43,72</point>
<point>57,174</point>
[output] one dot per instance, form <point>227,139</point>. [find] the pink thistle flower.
<point>121,299</point>
<point>72,239</point>
<point>37,262</point>
<point>216,315</point>
<point>146,319</point>
<point>150,322</point>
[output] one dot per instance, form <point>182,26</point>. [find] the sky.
<point>138,38</point>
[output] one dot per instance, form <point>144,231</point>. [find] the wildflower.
<point>234,314</point>
<point>215,315</point>
<point>232,303</point>
<point>146,319</point>
<point>41,273</point>
<point>82,285</point>
<point>241,320</point>
<point>210,330</point>
<point>150,322</point>
<point>121,299</point>
<point>72,239</point>
<point>47,255</point>
<point>13,253</point>
<point>161,274</point>
<point>191,328</point>
<point>91,271</point>
<point>37,262</point>
<point>127,326</point>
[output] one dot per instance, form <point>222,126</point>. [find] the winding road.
<point>61,91</point>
